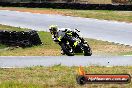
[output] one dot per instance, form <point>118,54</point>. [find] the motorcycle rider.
<point>59,33</point>
<point>70,36</point>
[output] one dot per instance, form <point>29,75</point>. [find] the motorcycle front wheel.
<point>87,51</point>
<point>67,49</point>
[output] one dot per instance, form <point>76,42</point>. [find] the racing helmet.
<point>53,29</point>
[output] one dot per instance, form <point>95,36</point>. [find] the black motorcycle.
<point>72,43</point>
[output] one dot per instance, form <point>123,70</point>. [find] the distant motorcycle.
<point>72,43</point>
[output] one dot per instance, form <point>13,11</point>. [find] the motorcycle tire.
<point>87,51</point>
<point>66,51</point>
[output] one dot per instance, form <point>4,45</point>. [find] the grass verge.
<point>56,77</point>
<point>49,48</point>
<point>98,14</point>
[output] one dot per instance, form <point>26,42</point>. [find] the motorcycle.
<point>72,43</point>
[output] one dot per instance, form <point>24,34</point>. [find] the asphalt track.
<point>112,31</point>
<point>21,61</point>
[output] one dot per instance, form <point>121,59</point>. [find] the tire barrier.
<point>22,39</point>
<point>70,6</point>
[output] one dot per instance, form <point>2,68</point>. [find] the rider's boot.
<point>62,52</point>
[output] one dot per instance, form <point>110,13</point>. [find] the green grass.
<point>105,48</point>
<point>98,14</point>
<point>10,28</point>
<point>49,48</point>
<point>101,14</point>
<point>126,53</point>
<point>2,46</point>
<point>56,77</point>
